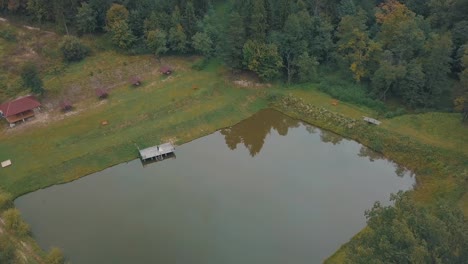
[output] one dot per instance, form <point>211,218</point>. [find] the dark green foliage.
<point>178,39</point>
<point>410,233</point>
<point>31,79</point>
<point>306,67</point>
<point>86,19</point>
<point>258,20</point>
<point>348,92</point>
<point>398,112</point>
<point>263,59</point>
<point>156,40</point>
<point>202,43</point>
<point>234,38</point>
<point>189,20</point>
<point>8,34</point>
<point>72,49</point>
<point>201,64</point>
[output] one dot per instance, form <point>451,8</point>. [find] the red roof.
<point>19,105</point>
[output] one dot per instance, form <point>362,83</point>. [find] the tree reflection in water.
<point>330,137</point>
<point>253,131</point>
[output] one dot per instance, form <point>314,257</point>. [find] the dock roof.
<point>155,151</point>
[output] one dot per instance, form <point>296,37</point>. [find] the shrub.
<point>72,49</point>
<point>55,256</point>
<point>8,34</point>
<point>5,201</point>
<point>398,112</point>
<point>14,223</point>
<point>200,64</point>
<point>30,78</point>
<point>351,93</point>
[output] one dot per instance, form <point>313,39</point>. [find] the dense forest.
<point>412,51</point>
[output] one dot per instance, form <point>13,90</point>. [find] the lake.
<point>270,189</point>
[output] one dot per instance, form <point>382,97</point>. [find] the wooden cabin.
<point>19,109</point>
<point>166,70</point>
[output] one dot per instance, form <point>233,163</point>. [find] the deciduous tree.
<point>86,18</point>
<point>156,40</point>
<point>411,233</point>
<point>262,59</point>
<point>202,43</point>
<point>355,45</point>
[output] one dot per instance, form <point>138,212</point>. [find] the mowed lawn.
<point>178,108</point>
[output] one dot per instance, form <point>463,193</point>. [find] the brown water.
<point>280,192</point>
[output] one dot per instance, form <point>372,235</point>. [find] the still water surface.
<point>268,190</point>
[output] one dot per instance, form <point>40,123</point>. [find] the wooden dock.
<point>157,152</point>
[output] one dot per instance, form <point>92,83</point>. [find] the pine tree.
<point>258,21</point>
<point>234,38</point>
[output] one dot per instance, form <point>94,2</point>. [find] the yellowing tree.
<point>355,46</point>
<point>400,30</point>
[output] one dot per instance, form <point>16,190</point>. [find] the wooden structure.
<point>165,70</point>
<point>135,81</point>
<point>6,163</point>
<point>156,152</point>
<point>19,109</point>
<point>102,93</point>
<point>66,105</point>
<point>371,120</point>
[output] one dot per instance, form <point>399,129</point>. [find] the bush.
<point>14,223</point>
<point>30,78</point>
<point>55,256</point>
<point>200,64</point>
<point>352,93</point>
<point>72,49</point>
<point>8,34</point>
<point>398,112</point>
<point>5,201</point>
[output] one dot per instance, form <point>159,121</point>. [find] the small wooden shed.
<point>102,93</point>
<point>166,70</point>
